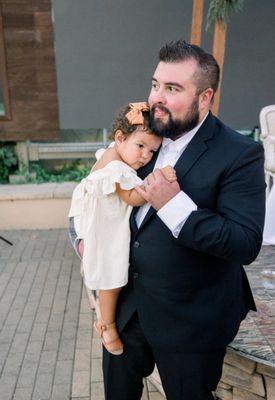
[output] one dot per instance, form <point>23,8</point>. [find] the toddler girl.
<point>102,204</point>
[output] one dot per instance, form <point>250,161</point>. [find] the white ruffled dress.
<point>103,223</point>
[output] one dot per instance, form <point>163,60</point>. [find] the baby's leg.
<point>169,173</point>
<point>105,326</point>
<point>107,303</point>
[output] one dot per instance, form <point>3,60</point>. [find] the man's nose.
<point>157,97</point>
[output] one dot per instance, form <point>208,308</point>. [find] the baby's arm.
<point>133,198</point>
<point>130,197</point>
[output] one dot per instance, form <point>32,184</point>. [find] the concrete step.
<point>35,206</point>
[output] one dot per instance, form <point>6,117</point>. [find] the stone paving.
<point>256,336</point>
<point>47,351</point>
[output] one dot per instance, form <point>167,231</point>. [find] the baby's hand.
<point>169,173</point>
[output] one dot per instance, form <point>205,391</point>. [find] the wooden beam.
<point>218,51</point>
<point>197,22</point>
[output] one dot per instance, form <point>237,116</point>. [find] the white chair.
<point>267,124</point>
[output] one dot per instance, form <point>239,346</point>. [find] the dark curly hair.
<point>121,122</point>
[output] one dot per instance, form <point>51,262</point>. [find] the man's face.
<point>173,99</point>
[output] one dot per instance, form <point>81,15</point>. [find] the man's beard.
<point>174,128</point>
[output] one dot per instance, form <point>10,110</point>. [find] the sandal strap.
<point>110,326</point>
<point>114,345</point>
<point>105,327</point>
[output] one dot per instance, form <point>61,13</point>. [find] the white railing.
<point>35,151</point>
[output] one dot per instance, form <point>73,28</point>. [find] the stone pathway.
<point>47,351</point>
<point>256,336</point>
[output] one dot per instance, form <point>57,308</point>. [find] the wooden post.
<point>218,51</point>
<point>197,22</point>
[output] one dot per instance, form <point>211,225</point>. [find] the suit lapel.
<point>195,148</point>
<point>189,157</point>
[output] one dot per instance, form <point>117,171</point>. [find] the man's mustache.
<point>160,107</point>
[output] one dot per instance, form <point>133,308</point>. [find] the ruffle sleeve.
<point>101,183</point>
<point>77,203</point>
<point>104,181</point>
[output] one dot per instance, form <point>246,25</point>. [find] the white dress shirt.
<point>176,211</point>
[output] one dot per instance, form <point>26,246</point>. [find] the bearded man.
<point>188,291</point>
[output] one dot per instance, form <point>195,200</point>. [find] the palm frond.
<point>220,11</point>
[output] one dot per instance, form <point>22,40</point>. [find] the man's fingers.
<point>142,192</point>
<point>150,178</point>
<point>158,174</point>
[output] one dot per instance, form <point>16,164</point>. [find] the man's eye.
<point>154,85</point>
<point>140,146</point>
<point>172,89</point>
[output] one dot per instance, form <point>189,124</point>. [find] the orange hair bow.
<point>135,116</point>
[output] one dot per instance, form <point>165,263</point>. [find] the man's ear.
<point>119,136</point>
<point>206,98</point>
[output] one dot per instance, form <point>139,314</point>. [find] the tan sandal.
<point>114,346</point>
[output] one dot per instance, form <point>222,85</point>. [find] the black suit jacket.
<point>191,293</point>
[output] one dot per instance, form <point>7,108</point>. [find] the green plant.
<point>68,172</point>
<point>8,161</point>
<point>220,10</point>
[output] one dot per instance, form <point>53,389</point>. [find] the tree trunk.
<point>218,51</point>
<point>197,22</point>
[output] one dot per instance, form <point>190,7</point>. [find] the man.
<point>187,291</point>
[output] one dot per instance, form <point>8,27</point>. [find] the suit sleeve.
<point>234,230</point>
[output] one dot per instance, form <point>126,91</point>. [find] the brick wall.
<point>30,62</point>
<point>245,379</point>
<point>242,379</point>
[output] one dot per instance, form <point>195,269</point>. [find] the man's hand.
<point>156,190</point>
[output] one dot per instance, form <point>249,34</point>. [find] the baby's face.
<point>138,148</point>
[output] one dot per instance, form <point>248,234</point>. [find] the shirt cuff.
<point>175,213</point>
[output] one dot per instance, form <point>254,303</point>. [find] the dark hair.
<point>208,73</point>
<point>121,122</point>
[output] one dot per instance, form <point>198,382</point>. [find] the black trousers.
<point>184,376</point>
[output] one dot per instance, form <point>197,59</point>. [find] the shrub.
<point>8,161</point>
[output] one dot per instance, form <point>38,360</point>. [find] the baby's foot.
<point>169,173</point>
<point>109,336</point>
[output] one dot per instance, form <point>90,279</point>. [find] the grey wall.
<point>106,52</point>
<point>249,67</point>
